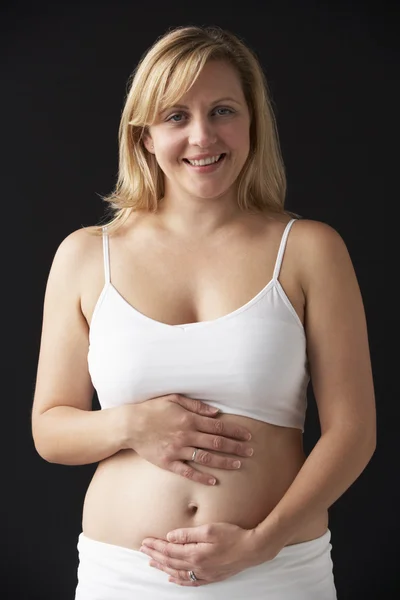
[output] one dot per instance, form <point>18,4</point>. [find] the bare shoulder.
<point>77,243</point>
<point>74,254</point>
<point>320,251</point>
<point>313,234</point>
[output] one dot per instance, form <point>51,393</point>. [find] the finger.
<point>188,582</point>
<point>179,577</point>
<point>190,537</point>
<point>183,469</point>
<point>219,443</point>
<point>169,550</point>
<point>166,561</point>
<point>193,405</point>
<point>210,459</point>
<point>221,428</point>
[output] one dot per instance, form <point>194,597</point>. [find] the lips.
<point>222,155</point>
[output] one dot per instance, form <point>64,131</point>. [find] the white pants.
<point>299,572</point>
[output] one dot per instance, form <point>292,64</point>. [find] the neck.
<point>187,223</point>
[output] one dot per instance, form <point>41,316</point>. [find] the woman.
<point>203,292</point>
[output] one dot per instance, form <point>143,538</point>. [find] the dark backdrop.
<point>64,69</point>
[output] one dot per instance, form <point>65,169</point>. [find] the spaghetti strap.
<point>106,255</point>
<point>282,249</point>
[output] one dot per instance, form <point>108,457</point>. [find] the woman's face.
<point>211,119</point>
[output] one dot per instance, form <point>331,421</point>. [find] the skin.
<point>164,265</point>
<point>195,206</point>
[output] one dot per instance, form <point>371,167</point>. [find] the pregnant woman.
<point>200,312</point>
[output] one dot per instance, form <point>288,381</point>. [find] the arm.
<point>341,375</point>
<point>65,430</point>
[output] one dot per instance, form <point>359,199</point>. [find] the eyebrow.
<point>227,98</point>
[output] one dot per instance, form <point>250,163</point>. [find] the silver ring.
<point>195,451</point>
<point>192,576</point>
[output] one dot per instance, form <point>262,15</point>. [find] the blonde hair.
<point>163,75</point>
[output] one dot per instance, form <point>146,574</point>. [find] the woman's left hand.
<point>213,552</point>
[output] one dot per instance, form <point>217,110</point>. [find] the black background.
<point>331,68</point>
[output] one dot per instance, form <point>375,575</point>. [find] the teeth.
<point>206,161</point>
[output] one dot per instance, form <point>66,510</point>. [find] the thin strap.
<point>106,255</point>
<point>282,249</point>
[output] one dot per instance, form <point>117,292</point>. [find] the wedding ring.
<point>192,576</point>
<point>195,451</point>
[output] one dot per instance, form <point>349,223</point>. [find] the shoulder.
<point>77,243</point>
<point>319,249</point>
<point>75,253</point>
<point>315,240</point>
<point>314,233</point>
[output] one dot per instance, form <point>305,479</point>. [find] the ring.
<point>195,451</point>
<point>192,576</point>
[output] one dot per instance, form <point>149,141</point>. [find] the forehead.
<point>216,79</point>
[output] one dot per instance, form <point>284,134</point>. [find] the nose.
<point>202,133</point>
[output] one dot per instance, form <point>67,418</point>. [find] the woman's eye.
<point>172,117</point>
<point>228,109</point>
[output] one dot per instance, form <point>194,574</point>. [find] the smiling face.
<point>210,120</point>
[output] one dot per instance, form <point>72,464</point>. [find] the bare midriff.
<point>130,499</point>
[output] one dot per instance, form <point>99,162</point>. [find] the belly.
<point>129,498</point>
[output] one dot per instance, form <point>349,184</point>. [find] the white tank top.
<point>250,362</point>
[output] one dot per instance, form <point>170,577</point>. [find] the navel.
<point>192,508</point>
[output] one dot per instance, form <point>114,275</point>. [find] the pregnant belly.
<point>129,498</point>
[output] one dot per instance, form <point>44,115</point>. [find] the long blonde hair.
<point>163,75</point>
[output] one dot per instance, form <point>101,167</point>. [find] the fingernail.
<point>236,464</point>
<point>249,452</point>
<point>212,481</point>
<point>248,436</point>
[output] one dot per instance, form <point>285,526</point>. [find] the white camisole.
<point>250,362</point>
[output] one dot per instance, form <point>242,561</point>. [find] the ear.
<point>148,143</point>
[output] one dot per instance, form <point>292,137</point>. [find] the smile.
<point>200,167</point>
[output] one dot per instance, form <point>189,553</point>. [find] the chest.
<point>179,284</point>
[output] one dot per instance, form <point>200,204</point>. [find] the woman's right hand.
<point>167,429</point>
